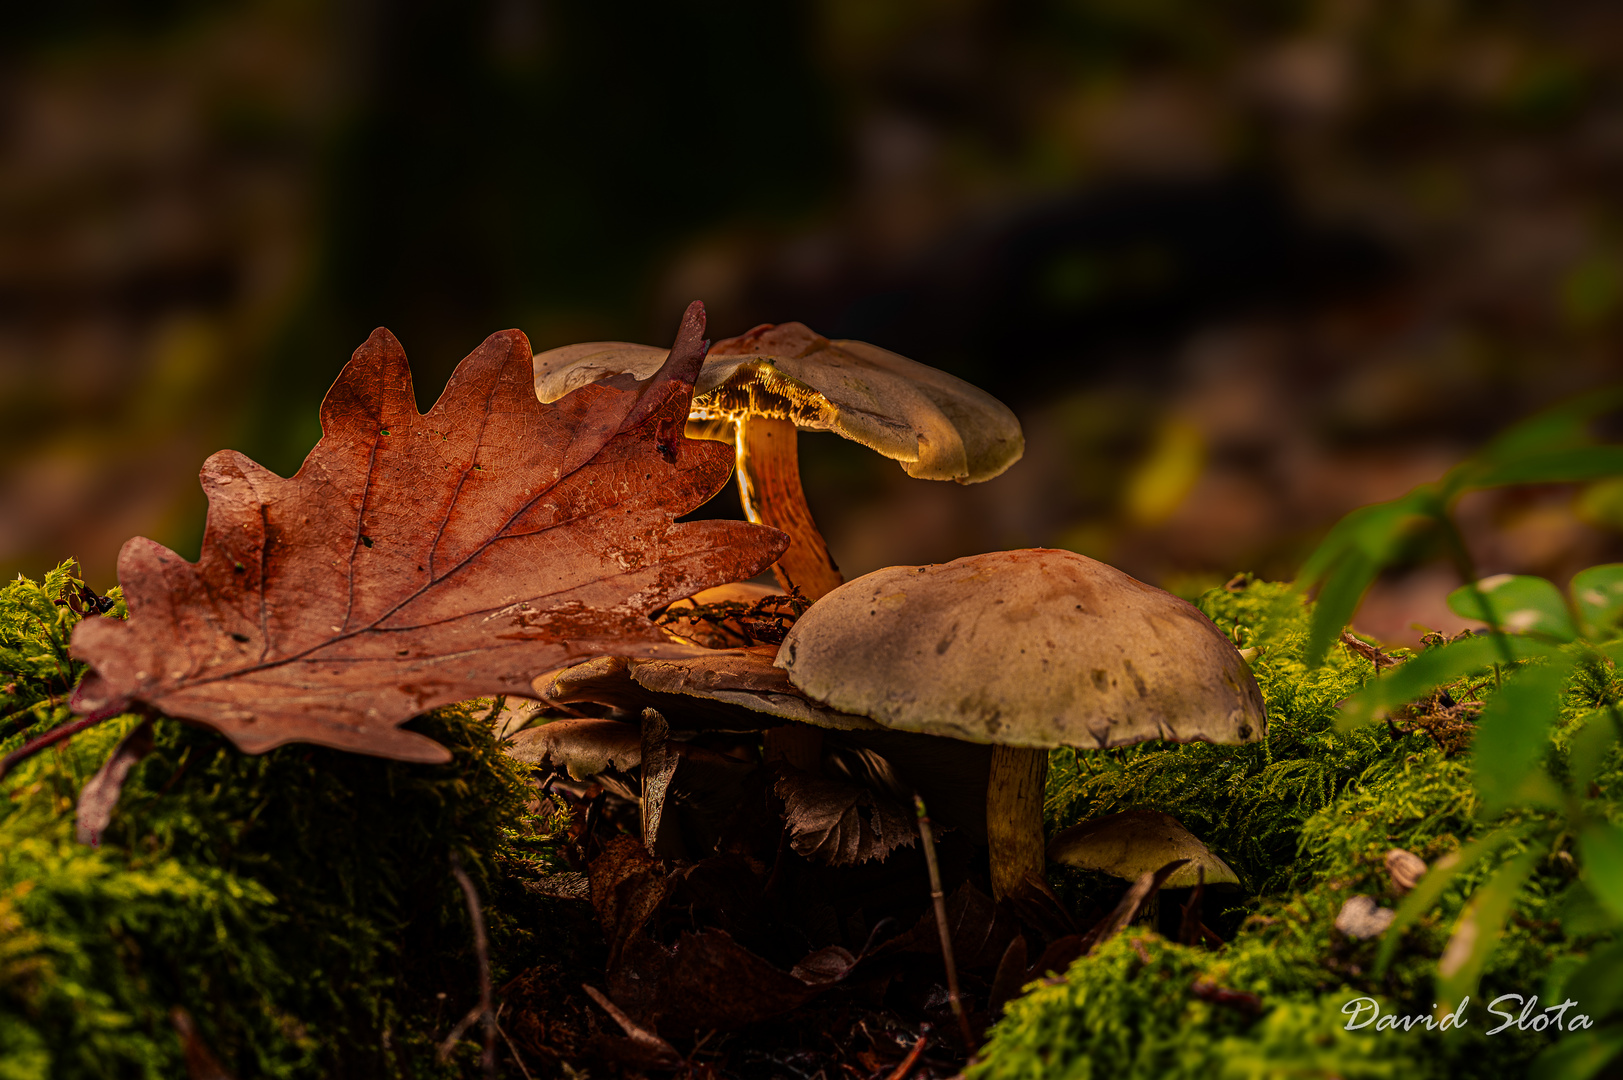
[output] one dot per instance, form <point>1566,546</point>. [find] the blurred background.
<point>1238,267</point>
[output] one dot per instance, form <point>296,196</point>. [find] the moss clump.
<point>298,904</point>
<point>1306,818</point>
<point>1131,1011</point>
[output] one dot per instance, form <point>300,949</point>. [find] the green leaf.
<point>1377,530</point>
<point>1589,747</point>
<point>1477,933</point>
<point>1581,915</point>
<point>1417,677</point>
<point>1598,592</point>
<point>1336,602</point>
<point>1429,890</point>
<point>1595,986</point>
<point>1513,735</point>
<point>1353,553</point>
<point>1578,1056</point>
<point>1553,467</point>
<point>1564,426</point>
<point>1601,846</point>
<point>1517,603</point>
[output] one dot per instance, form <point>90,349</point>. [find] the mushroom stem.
<point>1014,817</point>
<point>769,487</point>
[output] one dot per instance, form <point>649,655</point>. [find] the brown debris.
<point>841,824</point>
<point>1239,1000</point>
<point>100,794</point>
<point>201,1064</point>
<point>1369,652</point>
<point>1362,918</point>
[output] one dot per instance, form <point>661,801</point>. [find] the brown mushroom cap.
<point>1137,842</point>
<point>1035,648</point>
<point>938,426</point>
<point>583,748</point>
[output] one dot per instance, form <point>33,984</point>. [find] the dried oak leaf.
<point>416,560</point>
<point>841,824</point>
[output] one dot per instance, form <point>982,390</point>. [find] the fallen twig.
<point>201,1064</point>
<point>939,899</point>
<point>481,948</point>
<point>511,1049</point>
<point>659,1053</point>
<point>462,1025</point>
<point>1240,1000</point>
<point>911,1059</point>
<point>56,735</point>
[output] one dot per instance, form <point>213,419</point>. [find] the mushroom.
<point>1135,842</point>
<point>1025,650</point>
<point>756,390</point>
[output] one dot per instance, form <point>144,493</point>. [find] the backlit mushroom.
<point>1025,650</point>
<point>1135,842</point>
<point>756,390</point>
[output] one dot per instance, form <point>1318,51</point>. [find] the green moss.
<point>1307,818</point>
<point>298,904</point>
<point>1116,1016</point>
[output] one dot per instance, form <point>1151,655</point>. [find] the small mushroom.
<point>756,390</point>
<point>1025,650</point>
<point>1136,842</point>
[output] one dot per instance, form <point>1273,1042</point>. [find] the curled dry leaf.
<point>1361,917</point>
<point>100,794</point>
<point>1142,889</point>
<point>416,560</point>
<point>659,830</point>
<point>841,824</point>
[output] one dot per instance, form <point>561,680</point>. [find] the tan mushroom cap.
<point>1035,648</point>
<point>938,426</point>
<point>583,748</point>
<point>1137,842</point>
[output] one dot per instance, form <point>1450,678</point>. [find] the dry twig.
<point>939,899</point>
<point>481,948</point>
